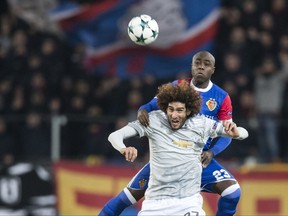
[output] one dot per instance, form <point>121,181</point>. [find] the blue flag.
<point>185,27</point>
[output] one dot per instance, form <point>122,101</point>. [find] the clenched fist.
<point>130,153</point>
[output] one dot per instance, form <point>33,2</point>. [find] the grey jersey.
<point>175,155</point>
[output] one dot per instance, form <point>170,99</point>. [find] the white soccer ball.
<point>143,30</point>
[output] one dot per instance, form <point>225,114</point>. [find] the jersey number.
<point>221,174</point>
<point>10,190</point>
<point>192,213</point>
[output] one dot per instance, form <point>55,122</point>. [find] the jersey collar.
<point>210,84</point>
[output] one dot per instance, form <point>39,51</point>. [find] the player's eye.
<point>170,109</point>
<point>180,110</point>
<point>208,64</point>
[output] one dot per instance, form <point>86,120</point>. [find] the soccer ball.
<point>143,30</point>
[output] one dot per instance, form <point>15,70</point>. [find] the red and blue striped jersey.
<point>216,103</point>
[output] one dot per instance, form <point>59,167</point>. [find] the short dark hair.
<point>183,93</point>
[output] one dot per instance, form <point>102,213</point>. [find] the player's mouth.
<point>200,74</point>
<point>175,124</point>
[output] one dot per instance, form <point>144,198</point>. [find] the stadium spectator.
<point>35,138</point>
<point>270,84</point>
<point>7,146</point>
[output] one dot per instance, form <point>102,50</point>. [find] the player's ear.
<point>188,112</point>
<point>213,70</point>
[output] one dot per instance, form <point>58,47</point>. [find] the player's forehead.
<point>176,105</point>
<point>203,56</point>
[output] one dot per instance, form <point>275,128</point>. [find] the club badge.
<point>142,183</point>
<point>211,104</point>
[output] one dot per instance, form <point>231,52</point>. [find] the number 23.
<point>221,174</point>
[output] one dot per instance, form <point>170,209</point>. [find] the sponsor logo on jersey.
<point>207,116</point>
<point>211,104</point>
<point>182,143</point>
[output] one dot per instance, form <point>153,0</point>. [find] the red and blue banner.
<point>185,27</point>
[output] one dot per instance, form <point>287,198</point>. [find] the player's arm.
<point>230,129</point>
<point>142,114</point>
<point>220,145</point>
<point>224,113</point>
<point>116,139</point>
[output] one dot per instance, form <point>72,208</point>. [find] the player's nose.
<point>174,115</point>
<point>201,65</point>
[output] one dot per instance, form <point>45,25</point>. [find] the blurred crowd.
<point>252,56</point>
<point>42,76</point>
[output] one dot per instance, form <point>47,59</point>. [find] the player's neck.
<point>201,85</point>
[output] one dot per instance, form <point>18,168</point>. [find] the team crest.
<point>211,104</point>
<point>142,183</point>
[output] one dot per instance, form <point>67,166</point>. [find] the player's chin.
<point>175,126</point>
<point>200,77</point>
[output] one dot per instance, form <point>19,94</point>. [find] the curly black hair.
<point>183,93</point>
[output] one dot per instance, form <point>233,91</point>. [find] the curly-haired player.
<point>176,140</point>
<point>216,104</point>
<point>182,93</point>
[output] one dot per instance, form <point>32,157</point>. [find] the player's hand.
<point>206,158</point>
<point>130,153</point>
<point>231,128</point>
<point>143,117</point>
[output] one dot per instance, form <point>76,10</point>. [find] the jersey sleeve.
<point>225,111</point>
<point>220,145</point>
<point>211,128</point>
<point>214,129</point>
<point>150,106</point>
<point>138,127</point>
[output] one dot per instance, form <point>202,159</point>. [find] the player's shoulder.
<point>157,119</point>
<point>217,88</point>
<point>200,121</point>
<point>188,80</point>
<point>156,115</point>
<point>196,120</point>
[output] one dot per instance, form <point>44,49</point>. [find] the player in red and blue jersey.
<point>216,104</point>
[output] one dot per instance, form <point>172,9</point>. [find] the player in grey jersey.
<point>176,139</point>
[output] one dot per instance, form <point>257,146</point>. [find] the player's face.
<point>203,66</point>
<point>177,114</point>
